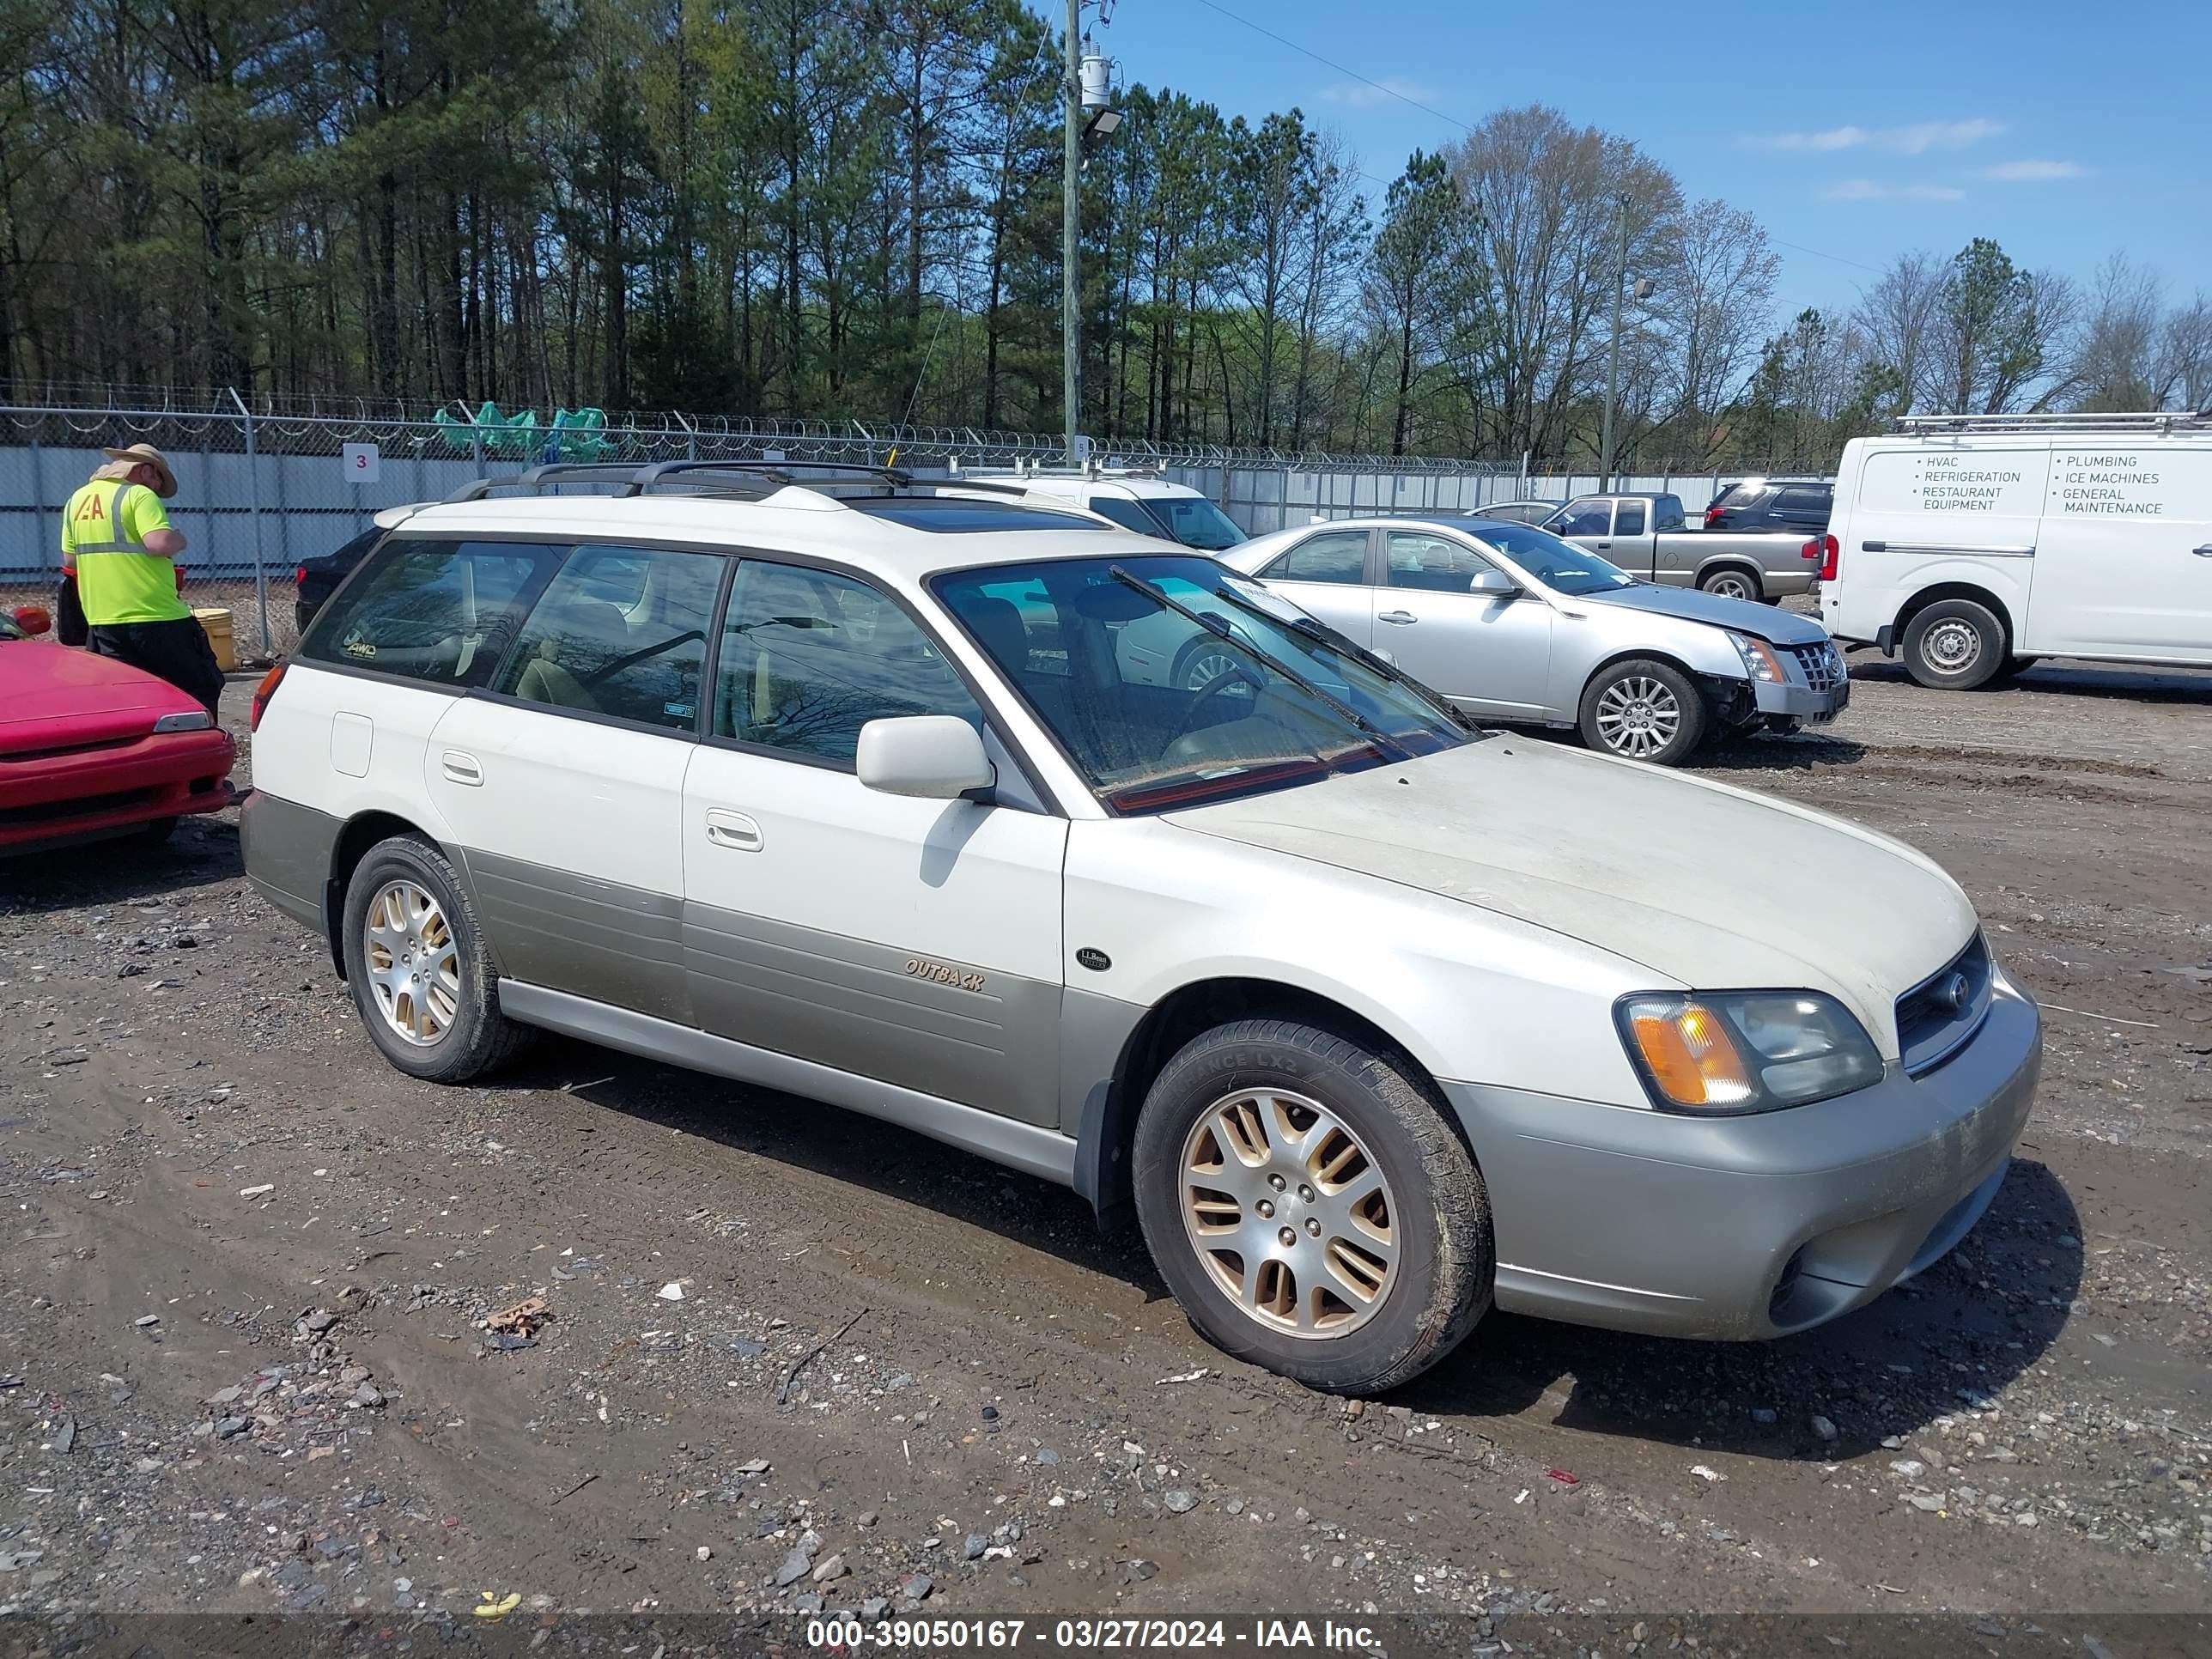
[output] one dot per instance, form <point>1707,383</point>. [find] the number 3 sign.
<point>363,464</point>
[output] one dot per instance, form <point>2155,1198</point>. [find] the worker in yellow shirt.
<point>117,536</point>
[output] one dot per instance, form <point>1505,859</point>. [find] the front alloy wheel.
<point>1644,709</point>
<point>1292,1217</point>
<point>1306,1201</point>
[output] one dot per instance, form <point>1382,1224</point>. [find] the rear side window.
<point>1669,513</point>
<point>1804,498</point>
<point>1589,518</point>
<point>620,631</point>
<point>1736,498</point>
<point>1628,519</point>
<point>1339,556</point>
<point>809,657</point>
<point>440,612</point>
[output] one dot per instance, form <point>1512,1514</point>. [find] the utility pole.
<point>1071,316</point>
<point>1613,356</point>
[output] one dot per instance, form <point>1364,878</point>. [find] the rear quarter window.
<point>440,612</point>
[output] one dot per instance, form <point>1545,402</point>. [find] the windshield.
<point>1560,566</point>
<point>1158,710</point>
<point>1194,521</point>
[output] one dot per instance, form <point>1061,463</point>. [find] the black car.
<point>316,580</point>
<point>1801,505</point>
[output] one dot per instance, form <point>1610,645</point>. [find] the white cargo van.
<point>1136,498</point>
<point>1976,544</point>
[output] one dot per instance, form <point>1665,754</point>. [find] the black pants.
<point>177,652</point>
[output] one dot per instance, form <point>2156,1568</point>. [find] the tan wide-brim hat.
<point>142,455</point>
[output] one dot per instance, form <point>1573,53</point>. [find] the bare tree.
<point>1898,315</point>
<point>1715,293</point>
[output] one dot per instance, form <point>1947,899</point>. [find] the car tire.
<point>1643,710</point>
<point>1383,1274</point>
<point>1733,582</point>
<point>406,908</point>
<point>1954,645</point>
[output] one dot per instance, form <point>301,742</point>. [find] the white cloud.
<point>1938,135</point>
<point>1866,190</point>
<point>2035,172</point>
<point>1915,140</point>
<point>1363,94</point>
<point>1833,138</point>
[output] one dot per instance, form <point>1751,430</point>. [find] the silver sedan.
<point>1512,623</point>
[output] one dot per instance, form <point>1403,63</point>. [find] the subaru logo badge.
<point>1955,993</point>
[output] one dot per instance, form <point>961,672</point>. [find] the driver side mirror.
<point>32,619</point>
<point>934,756</point>
<point>1493,584</point>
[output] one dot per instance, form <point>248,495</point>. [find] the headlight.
<point>195,721</point>
<point>1745,1051</point>
<point>1759,659</point>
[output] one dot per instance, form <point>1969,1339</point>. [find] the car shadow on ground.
<point>2158,685</point>
<point>892,1162</point>
<point>1937,1345</point>
<point>1802,751</point>
<point>202,852</point>
<point>1957,1334</point>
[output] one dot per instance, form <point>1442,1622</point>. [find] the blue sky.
<point>2064,131</point>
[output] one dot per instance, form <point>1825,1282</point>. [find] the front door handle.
<point>2204,552</point>
<point>1605,547</point>
<point>733,830</point>
<point>1399,616</point>
<point>462,769</point>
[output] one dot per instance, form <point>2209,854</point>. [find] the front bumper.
<point>49,799</point>
<point>1744,1228</point>
<point>1799,702</point>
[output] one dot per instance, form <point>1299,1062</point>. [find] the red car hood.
<point>53,697</point>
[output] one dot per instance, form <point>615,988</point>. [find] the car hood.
<point>52,697</point>
<point>1703,884</point>
<point>1767,622</point>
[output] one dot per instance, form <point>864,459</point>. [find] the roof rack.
<point>2150,421</point>
<point>745,479</point>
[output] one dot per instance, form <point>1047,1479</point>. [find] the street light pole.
<point>1071,317</point>
<point>1613,356</point>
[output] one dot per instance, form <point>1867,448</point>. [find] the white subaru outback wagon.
<point>1375,1020</point>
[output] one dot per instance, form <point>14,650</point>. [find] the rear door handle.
<point>2204,552</point>
<point>1605,547</point>
<point>1400,617</point>
<point>733,830</point>
<point>462,769</point>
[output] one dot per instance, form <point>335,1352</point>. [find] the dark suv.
<point>1801,505</point>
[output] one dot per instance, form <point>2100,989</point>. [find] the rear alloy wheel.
<point>1202,663</point>
<point>1643,710</point>
<point>1732,583</point>
<point>1309,1206</point>
<point>414,955</point>
<point>1954,645</point>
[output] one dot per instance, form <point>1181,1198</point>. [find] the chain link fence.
<point>265,486</point>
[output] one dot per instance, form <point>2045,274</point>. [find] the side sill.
<point>1044,1152</point>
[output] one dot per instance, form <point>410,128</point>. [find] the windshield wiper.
<point>1220,630</point>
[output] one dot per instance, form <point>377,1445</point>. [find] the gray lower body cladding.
<point>1743,1228</point>
<point>287,850</point>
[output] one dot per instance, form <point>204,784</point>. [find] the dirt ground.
<point>791,1359</point>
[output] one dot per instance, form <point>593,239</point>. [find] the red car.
<point>90,748</point>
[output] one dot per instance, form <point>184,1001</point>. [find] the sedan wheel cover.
<point>1638,716</point>
<point>1953,646</point>
<point>414,964</point>
<point>1289,1214</point>
<point>1205,668</point>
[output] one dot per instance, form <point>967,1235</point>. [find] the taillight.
<point>299,577</point>
<point>1713,514</point>
<point>262,693</point>
<point>1831,553</point>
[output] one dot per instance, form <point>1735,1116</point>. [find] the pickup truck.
<point>1645,535</point>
